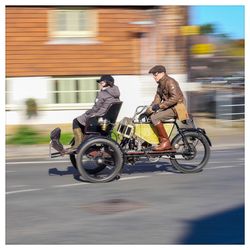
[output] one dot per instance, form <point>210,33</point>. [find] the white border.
<point>3,3</point>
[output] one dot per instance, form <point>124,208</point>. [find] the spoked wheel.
<point>194,156</point>
<point>91,171</point>
<point>72,158</point>
<point>99,160</point>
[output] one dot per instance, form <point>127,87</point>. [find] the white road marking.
<point>164,173</point>
<point>237,161</point>
<point>239,166</point>
<point>122,179</point>
<point>68,161</point>
<point>24,190</point>
<point>18,186</point>
<point>223,153</point>
<point>133,177</point>
<point>34,162</point>
<point>69,185</point>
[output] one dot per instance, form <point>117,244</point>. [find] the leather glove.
<point>149,111</point>
<point>155,107</point>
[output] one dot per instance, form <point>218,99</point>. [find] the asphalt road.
<point>46,203</point>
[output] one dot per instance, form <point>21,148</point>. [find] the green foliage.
<point>207,28</point>
<point>115,136</point>
<point>26,135</point>
<point>66,138</point>
<point>31,107</point>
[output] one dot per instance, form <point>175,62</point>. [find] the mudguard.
<point>94,136</point>
<point>199,131</point>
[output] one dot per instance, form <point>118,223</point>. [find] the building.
<point>54,54</point>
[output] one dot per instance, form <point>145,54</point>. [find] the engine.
<point>126,127</point>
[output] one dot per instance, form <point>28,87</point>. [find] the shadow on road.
<point>149,168</point>
<point>221,228</point>
<point>68,171</point>
<point>127,169</point>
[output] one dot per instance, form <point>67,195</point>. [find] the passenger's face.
<point>102,84</point>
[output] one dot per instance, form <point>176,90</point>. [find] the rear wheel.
<point>72,158</point>
<point>91,171</point>
<point>99,160</point>
<point>194,154</point>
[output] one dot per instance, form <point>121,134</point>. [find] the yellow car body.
<point>147,133</point>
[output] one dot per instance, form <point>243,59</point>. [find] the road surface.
<point>47,203</point>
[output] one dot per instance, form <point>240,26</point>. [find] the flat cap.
<point>157,69</point>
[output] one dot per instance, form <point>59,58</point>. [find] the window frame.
<point>76,91</point>
<point>90,33</point>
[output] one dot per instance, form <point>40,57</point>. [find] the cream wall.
<point>135,91</point>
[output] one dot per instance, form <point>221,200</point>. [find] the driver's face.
<point>157,76</point>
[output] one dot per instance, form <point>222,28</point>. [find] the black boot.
<point>55,140</point>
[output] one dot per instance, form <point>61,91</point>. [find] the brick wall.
<point>121,47</point>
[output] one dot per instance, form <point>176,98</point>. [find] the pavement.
<point>223,135</point>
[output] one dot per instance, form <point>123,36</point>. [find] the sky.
<point>227,19</point>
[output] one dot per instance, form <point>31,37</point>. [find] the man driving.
<point>168,103</point>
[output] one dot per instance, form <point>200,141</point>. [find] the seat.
<point>169,120</point>
<point>105,123</point>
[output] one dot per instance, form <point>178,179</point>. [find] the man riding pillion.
<point>109,93</point>
<point>168,103</point>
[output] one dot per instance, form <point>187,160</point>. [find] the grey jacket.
<point>104,98</point>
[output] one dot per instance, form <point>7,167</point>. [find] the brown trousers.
<point>162,115</point>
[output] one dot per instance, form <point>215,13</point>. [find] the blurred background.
<point>54,54</point>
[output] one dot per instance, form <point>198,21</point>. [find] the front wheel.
<point>98,152</point>
<point>193,154</point>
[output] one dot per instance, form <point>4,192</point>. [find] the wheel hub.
<point>99,160</point>
<point>189,153</point>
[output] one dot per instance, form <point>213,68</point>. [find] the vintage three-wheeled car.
<point>108,146</point>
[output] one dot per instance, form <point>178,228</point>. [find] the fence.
<point>222,103</point>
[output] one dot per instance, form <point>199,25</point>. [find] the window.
<point>74,90</point>
<point>65,23</point>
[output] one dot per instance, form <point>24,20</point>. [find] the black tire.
<point>72,158</point>
<point>191,161</point>
<point>99,150</point>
